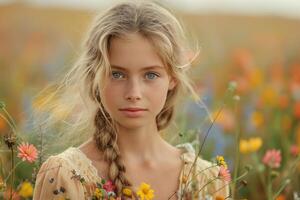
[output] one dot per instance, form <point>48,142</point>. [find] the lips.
<point>133,112</point>
<point>133,109</point>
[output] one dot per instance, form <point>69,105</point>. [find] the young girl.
<point>126,83</point>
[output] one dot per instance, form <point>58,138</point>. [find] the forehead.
<point>133,51</point>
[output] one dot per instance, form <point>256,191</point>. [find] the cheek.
<point>158,97</point>
<point>108,97</point>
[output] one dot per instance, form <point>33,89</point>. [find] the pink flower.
<point>272,158</point>
<point>224,174</point>
<point>27,152</point>
<point>294,150</point>
<point>109,186</point>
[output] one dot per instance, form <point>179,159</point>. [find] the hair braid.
<point>106,140</point>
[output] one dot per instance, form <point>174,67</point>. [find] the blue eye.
<point>152,75</point>
<point>117,75</point>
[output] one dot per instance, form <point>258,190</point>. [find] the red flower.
<point>109,186</point>
<point>272,158</point>
<point>27,152</point>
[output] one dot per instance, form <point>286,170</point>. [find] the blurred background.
<point>255,43</point>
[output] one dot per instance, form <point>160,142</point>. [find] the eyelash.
<point>117,72</point>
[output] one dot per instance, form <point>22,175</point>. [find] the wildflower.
<point>257,119</point>
<point>255,144</point>
<point>219,198</point>
<point>294,150</point>
<point>26,189</point>
<point>108,186</point>
<point>27,152</point>
<point>244,146</point>
<point>272,158</point>
<point>281,197</point>
<point>98,193</point>
<point>297,110</point>
<point>226,120</point>
<point>251,145</point>
<point>221,161</point>
<point>145,192</point>
<point>224,174</point>
<point>7,194</point>
<point>127,192</point>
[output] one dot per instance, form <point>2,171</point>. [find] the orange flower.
<point>297,110</point>
<point>283,101</point>
<point>27,152</point>
<point>281,197</point>
<point>219,198</point>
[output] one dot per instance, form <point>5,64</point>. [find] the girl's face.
<point>136,90</point>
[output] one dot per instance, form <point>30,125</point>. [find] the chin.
<point>132,123</point>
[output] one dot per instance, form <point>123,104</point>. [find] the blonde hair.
<point>77,97</point>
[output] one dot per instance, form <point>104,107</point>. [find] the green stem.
<point>232,182</point>
<point>12,176</point>
<point>281,188</point>
<point>13,170</point>
<point>201,172</point>
<point>269,185</point>
<point>237,156</point>
<point>10,118</point>
<point>260,175</point>
<point>209,182</point>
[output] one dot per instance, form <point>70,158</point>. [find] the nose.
<point>133,92</point>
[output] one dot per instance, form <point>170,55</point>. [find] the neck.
<point>141,145</point>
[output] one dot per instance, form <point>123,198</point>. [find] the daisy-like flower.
<point>145,192</point>
<point>27,152</point>
<point>221,161</point>
<point>224,174</point>
<point>272,158</point>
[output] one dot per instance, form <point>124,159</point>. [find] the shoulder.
<point>75,161</point>
<point>189,156</point>
<point>200,172</point>
<point>67,173</point>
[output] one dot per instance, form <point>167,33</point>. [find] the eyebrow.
<point>144,68</point>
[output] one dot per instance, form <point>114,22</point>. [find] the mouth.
<point>133,112</point>
<point>133,109</point>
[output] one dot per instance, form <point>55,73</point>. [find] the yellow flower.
<point>127,192</point>
<point>269,96</point>
<point>256,78</point>
<point>255,144</point>
<point>26,190</point>
<point>257,119</point>
<point>243,146</point>
<point>221,161</point>
<point>145,192</point>
<point>251,145</point>
<point>98,193</point>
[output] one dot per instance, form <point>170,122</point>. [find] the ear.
<point>172,83</point>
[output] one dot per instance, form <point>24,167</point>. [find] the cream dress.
<point>60,176</point>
